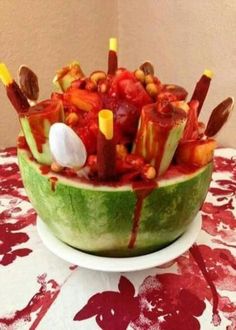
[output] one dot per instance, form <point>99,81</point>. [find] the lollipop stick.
<point>201,89</point>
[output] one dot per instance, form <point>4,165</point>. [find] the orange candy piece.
<point>83,99</point>
<point>198,153</point>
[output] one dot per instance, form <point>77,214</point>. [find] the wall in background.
<point>180,37</point>
<point>46,35</point>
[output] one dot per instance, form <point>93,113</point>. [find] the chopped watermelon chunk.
<point>125,86</point>
<point>83,99</point>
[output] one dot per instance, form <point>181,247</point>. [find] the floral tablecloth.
<point>40,291</point>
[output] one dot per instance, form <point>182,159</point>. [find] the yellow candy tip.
<point>5,75</point>
<point>113,44</point>
<point>74,63</point>
<point>105,121</point>
<point>208,73</point>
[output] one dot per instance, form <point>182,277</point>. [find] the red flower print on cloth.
<point>163,300</point>
<point>12,221</point>
<point>171,301</point>
<point>219,220</point>
<point>113,310</point>
<point>227,188</point>
<point>15,216</point>
<point>218,215</point>
<point>223,164</point>
<point>37,307</point>
<point>10,182</point>
<point>7,170</point>
<point>8,152</point>
<point>207,268</point>
<point>175,301</point>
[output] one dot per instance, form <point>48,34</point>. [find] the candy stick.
<point>14,93</point>
<point>106,149</point>
<point>112,56</point>
<point>219,117</point>
<point>201,89</point>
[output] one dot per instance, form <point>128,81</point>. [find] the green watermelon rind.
<point>99,219</point>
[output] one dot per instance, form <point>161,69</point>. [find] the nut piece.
<point>121,151</point>
<point>56,167</point>
<point>28,83</point>
<point>139,74</point>
<point>103,87</point>
<point>149,172</point>
<point>147,68</point>
<point>152,89</point>
<point>149,79</point>
<point>72,119</point>
<point>98,75</point>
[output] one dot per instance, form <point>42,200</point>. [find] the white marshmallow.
<point>67,149</point>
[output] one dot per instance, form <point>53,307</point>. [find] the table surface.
<point>195,291</point>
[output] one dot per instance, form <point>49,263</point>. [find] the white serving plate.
<point>128,264</point>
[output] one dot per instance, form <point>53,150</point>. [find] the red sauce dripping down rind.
<point>159,123</point>
<point>50,110</point>
<point>53,181</point>
<point>17,98</point>
<point>45,169</point>
<point>142,190</point>
<point>21,143</point>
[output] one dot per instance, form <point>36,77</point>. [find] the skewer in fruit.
<point>14,93</point>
